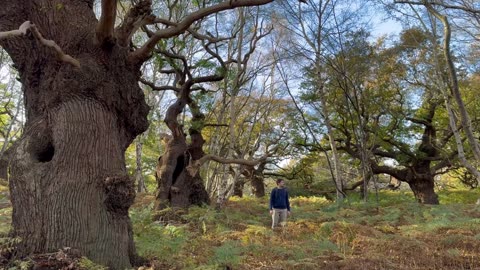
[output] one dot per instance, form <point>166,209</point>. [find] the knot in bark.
<point>120,194</point>
<point>142,8</point>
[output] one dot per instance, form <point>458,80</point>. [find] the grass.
<point>393,233</point>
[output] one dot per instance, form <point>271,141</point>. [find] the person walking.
<point>279,204</point>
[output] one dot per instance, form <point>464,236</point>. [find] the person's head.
<point>280,182</point>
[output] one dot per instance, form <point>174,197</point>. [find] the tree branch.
<point>144,52</point>
<point>423,3</point>
<point>22,30</point>
<point>106,24</point>
<point>397,173</point>
<point>420,121</point>
<point>159,88</point>
<point>193,167</point>
<point>138,16</point>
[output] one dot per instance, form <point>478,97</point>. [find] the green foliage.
<point>5,220</point>
<point>229,254</point>
<point>20,265</point>
<point>8,244</point>
<point>86,264</point>
<point>154,239</point>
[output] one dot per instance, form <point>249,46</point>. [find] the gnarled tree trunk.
<point>258,187</point>
<point>423,189</point>
<point>176,187</point>
<point>420,173</point>
<point>68,180</point>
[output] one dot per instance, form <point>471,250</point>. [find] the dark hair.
<point>279,180</point>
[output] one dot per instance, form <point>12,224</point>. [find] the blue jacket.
<point>279,199</point>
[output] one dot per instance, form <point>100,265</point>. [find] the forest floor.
<point>391,232</point>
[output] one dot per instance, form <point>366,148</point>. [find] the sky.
<point>385,27</point>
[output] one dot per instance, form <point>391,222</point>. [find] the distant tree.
<point>412,131</point>
<point>444,13</point>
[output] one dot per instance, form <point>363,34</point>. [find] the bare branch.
<point>50,43</point>
<point>22,30</point>
<point>144,52</point>
<point>195,165</point>
<point>215,125</point>
<point>106,24</point>
<point>159,88</point>
<point>420,121</point>
<point>435,3</point>
<point>210,78</point>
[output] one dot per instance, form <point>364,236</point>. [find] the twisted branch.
<point>175,29</point>
<point>22,30</point>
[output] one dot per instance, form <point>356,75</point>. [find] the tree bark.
<point>423,189</point>
<point>70,187</point>
<point>68,180</point>
<point>198,193</point>
<point>238,188</point>
<point>258,187</point>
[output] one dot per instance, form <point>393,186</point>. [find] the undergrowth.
<point>388,232</point>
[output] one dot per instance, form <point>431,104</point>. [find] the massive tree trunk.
<point>420,178</point>
<point>198,193</point>
<point>256,178</point>
<point>423,189</point>
<point>68,180</point>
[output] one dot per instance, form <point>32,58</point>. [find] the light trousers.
<point>279,217</point>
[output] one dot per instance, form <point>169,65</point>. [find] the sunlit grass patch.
<point>459,196</point>
<point>5,220</point>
